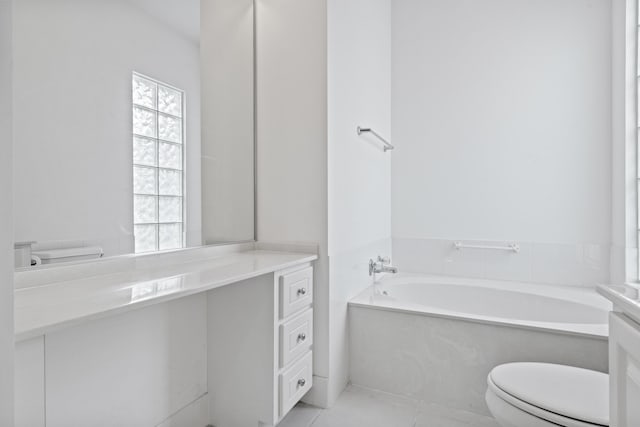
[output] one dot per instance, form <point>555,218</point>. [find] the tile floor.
<point>360,407</point>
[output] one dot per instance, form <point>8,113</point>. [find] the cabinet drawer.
<point>295,382</point>
<point>296,337</point>
<point>296,291</point>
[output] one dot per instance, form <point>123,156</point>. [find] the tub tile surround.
<point>557,264</point>
<point>446,361</point>
<point>359,406</point>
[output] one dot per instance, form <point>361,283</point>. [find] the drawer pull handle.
<point>301,382</point>
<point>302,291</point>
<point>302,336</point>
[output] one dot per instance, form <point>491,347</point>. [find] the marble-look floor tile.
<point>195,414</point>
<point>362,407</point>
<point>302,415</point>
<point>432,415</point>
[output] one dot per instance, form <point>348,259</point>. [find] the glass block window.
<point>158,172</point>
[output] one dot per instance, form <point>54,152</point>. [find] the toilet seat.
<point>562,395</point>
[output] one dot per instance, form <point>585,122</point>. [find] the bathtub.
<point>435,339</point>
<point>571,310</point>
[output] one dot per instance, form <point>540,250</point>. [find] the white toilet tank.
<point>54,256</point>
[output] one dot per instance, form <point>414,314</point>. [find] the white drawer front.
<point>296,337</point>
<point>296,291</point>
<point>295,382</point>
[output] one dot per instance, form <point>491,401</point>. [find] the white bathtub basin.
<point>573,310</point>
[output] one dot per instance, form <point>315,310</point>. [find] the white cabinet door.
<point>624,365</point>
<point>296,291</point>
<point>296,337</point>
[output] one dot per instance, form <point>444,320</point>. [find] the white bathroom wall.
<point>501,114</point>
<point>72,115</point>
<point>359,171</point>
<point>6,218</point>
<point>317,180</point>
<point>624,220</point>
<point>226,47</point>
<point>292,145</point>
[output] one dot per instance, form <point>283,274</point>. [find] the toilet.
<point>547,395</point>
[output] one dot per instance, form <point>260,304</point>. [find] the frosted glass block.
<point>170,156</point>
<point>144,122</point>
<point>170,236</point>
<point>144,180</point>
<point>146,237</point>
<point>144,151</point>
<point>145,209</point>
<point>170,209</point>
<point>170,182</point>
<point>144,92</point>
<point>170,128</point>
<point>170,101</point>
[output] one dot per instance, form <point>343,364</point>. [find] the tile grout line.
<point>315,418</point>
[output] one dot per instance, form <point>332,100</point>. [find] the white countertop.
<point>625,298</point>
<point>45,308</point>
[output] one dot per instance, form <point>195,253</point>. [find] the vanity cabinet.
<point>624,366</point>
<point>260,354</point>
<point>233,348</point>
<point>295,375</point>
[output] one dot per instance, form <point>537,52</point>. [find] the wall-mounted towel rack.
<point>387,144</point>
<point>511,247</point>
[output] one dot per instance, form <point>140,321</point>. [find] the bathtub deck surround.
<point>436,339</point>
<point>223,340</point>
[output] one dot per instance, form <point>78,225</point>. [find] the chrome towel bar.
<point>387,144</point>
<point>511,247</point>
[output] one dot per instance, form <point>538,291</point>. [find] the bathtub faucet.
<point>381,266</point>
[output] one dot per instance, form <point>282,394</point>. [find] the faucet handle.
<point>384,260</point>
